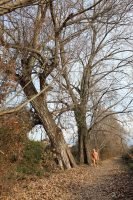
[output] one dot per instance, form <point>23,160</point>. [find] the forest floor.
<point>110,180</point>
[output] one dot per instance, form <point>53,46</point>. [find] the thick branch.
<point>7,6</point>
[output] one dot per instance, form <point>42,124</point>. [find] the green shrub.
<point>33,152</point>
<point>32,156</point>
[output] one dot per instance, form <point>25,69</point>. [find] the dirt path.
<point>108,181</point>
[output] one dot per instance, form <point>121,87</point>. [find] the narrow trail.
<point>110,180</point>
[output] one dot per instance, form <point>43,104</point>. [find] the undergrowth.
<point>128,158</point>
<point>31,161</point>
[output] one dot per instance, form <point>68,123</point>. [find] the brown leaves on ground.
<point>108,181</point>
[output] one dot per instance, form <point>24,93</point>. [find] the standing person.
<point>94,157</point>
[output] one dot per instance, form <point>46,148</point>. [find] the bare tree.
<point>103,51</point>
<point>32,38</point>
<point>29,59</point>
<point>108,136</point>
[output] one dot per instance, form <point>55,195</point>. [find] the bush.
<point>32,156</point>
<point>33,152</point>
<point>37,159</point>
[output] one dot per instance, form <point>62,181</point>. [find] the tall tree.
<point>32,38</point>
<point>102,67</point>
<point>29,57</point>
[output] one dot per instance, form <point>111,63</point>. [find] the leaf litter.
<point>109,181</point>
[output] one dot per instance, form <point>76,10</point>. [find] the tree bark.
<point>83,140</point>
<point>84,156</point>
<point>7,6</point>
<point>64,155</point>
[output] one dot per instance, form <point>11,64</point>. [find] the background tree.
<point>108,136</point>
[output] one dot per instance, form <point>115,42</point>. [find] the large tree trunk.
<point>84,156</point>
<point>64,156</point>
<point>83,140</point>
